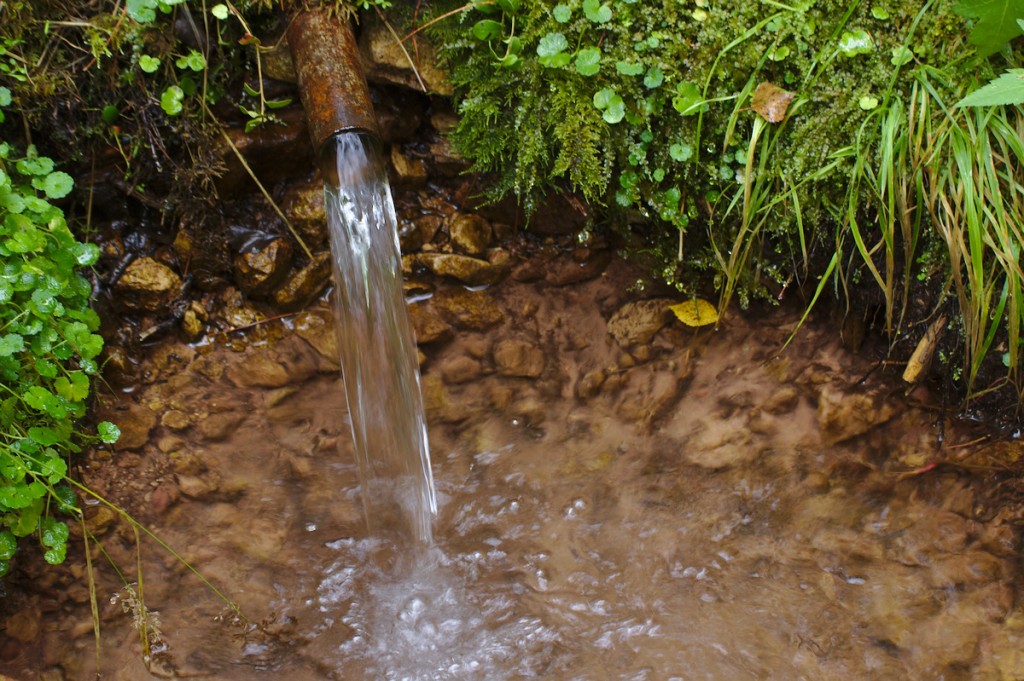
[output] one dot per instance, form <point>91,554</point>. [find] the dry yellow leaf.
<point>695,312</point>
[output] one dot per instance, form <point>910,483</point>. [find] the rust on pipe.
<point>331,83</point>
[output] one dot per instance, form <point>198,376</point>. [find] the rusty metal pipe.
<point>331,82</point>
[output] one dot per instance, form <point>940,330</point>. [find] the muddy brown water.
<point>703,512</point>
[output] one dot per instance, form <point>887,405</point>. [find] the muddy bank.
<point>621,497</point>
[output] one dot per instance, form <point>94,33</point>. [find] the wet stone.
<point>136,421</point>
<point>590,384</point>
<point>316,327</point>
<point>782,401</point>
<point>386,61</point>
<point>408,171</point>
<point>470,233</point>
<point>460,370</point>
<point>304,206</point>
<point>259,271</point>
<point>217,427</point>
<point>565,270</point>
<point>148,286</point>
<point>306,284</point>
<point>427,326</point>
<point>193,321</point>
<point>518,358</point>
<point>843,415</point>
<point>175,420</point>
<point>258,370</point>
<point>472,271</point>
<point>636,323</point>
<point>468,310</point>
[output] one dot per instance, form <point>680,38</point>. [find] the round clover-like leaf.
<point>588,61</point>
<point>170,100</point>
<point>654,78</point>
<point>149,63</point>
<point>855,42</point>
<point>108,432</point>
<point>561,13</point>
<point>58,185</point>
<point>219,11</point>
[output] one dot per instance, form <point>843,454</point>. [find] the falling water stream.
<point>378,352</point>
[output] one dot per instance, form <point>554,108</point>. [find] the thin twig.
<point>398,41</point>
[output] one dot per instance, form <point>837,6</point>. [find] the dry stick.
<point>93,605</point>
<point>433,21</point>
<point>259,184</point>
<point>256,323</point>
<point>398,41</point>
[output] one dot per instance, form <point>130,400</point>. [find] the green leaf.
<point>58,185</point>
<point>855,42</point>
<point>194,60</point>
<point>142,11</point>
<point>486,29</point>
<point>219,11</point>
<point>689,100</point>
<point>628,68</point>
<point>108,432</point>
<point>879,12</point>
<point>994,25</point>
<point>149,64</point>
<point>901,55</point>
<point>680,152</point>
<point>170,100</point>
<point>85,254</point>
<point>10,344</point>
<point>612,106</point>
<point>109,114</point>
<point>35,165</point>
<point>654,78</point>
<point>588,61</point>
<point>56,555</point>
<point>561,13</point>
<point>1006,90</point>
<point>27,239</point>
<point>8,545</point>
<point>552,44</point>
<point>5,96</point>
<point>551,50</point>
<point>596,12</point>
<point>867,102</point>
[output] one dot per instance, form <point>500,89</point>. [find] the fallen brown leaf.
<point>771,102</point>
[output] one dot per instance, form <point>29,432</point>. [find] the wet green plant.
<point>48,351</point>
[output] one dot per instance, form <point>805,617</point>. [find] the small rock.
<point>216,427</point>
<point>972,568</point>
<point>842,415</point>
<point>163,497</point>
<point>426,325</point>
<point>316,327</point>
<point>429,226</point>
<point>135,422</point>
<point>175,420</point>
<point>470,233</point>
<point>148,285</point>
<point>384,60</point>
<point>471,271</point>
<point>564,270</point>
<point>460,369</point>
<point>118,367</point>
<point>468,310</point>
<point>518,358</point>
<point>590,384</point>
<point>437,402</point>
<point>304,206</point>
<point>199,486</point>
<point>193,321</point>
<point>783,401</point>
<point>24,625</point>
<point>408,171</point>
<point>259,271</point>
<point>258,371</point>
<point>444,121</point>
<point>637,322</point>
<point>306,284</point>
<point>185,463</point>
